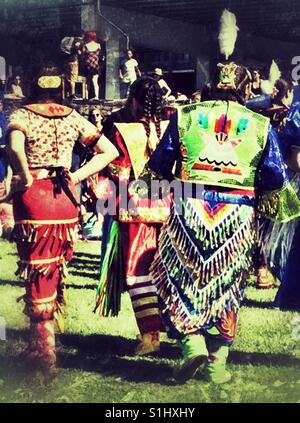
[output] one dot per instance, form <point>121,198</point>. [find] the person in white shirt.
<point>129,71</point>
<point>166,90</point>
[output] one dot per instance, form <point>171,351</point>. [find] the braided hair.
<point>147,93</point>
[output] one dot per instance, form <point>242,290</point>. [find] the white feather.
<point>275,73</point>
<point>228,33</point>
<point>267,86</point>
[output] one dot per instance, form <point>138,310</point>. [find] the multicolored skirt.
<point>46,222</point>
<point>128,250</point>
<point>201,265</point>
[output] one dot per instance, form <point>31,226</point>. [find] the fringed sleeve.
<point>278,200</point>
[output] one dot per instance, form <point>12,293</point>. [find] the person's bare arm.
<point>167,94</point>
<point>105,153</point>
<point>138,72</point>
<point>22,178</point>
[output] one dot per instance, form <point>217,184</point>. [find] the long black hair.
<point>148,95</point>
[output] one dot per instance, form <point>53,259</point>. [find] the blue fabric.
<point>224,197</point>
<point>296,97</point>
<point>291,133</point>
<point>288,295</point>
<point>167,151</point>
<point>274,174</point>
<point>3,167</point>
<point>260,102</point>
<point>3,126</point>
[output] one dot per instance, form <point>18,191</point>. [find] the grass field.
<point>96,355</point>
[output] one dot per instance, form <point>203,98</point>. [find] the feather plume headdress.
<point>267,86</point>
<point>228,33</point>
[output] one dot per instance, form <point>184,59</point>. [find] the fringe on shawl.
<point>195,283</point>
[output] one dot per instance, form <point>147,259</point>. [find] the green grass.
<point>96,355</point>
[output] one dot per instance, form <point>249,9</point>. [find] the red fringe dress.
<point>46,215</point>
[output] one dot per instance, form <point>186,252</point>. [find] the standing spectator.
<point>158,76</point>
<point>91,60</point>
<point>71,48</point>
<point>16,88</point>
<point>129,72</point>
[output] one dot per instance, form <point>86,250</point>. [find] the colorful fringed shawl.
<point>205,252</point>
<point>201,263</point>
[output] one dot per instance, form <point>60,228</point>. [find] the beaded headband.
<point>49,82</point>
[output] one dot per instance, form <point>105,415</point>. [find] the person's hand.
<point>74,178</point>
<point>19,183</point>
<point>15,183</point>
